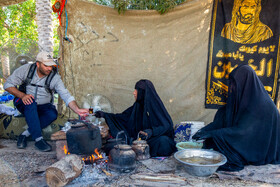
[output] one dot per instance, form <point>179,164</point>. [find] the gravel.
<point>27,166</point>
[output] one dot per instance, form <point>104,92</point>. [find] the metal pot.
<point>141,148</point>
<point>122,158</point>
<point>110,143</point>
<point>200,162</point>
<point>83,139</point>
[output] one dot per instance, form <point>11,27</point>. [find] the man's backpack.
<point>30,75</point>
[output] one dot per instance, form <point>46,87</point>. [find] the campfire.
<point>77,148</point>
<point>90,159</point>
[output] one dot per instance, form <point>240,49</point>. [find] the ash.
<point>91,174</point>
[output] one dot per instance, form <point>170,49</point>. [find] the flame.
<point>91,158</point>
<point>98,154</point>
<point>65,150</point>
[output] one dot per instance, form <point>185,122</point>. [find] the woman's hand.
<point>145,134</point>
<point>99,114</point>
<point>201,135</point>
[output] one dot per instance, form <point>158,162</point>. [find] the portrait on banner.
<point>242,32</point>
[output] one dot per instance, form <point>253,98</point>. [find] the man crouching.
<point>34,97</point>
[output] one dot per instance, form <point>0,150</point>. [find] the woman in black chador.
<point>147,116</point>
<point>247,129</point>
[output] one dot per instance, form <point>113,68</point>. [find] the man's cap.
<point>46,58</point>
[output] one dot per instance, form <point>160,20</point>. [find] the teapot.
<point>141,149</point>
<point>122,157</point>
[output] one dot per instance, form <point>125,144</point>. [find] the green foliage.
<point>162,6</point>
<point>120,5</point>
<point>19,22</point>
<point>102,2</point>
<point>166,5</point>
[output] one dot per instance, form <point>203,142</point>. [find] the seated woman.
<point>247,129</point>
<point>147,116</point>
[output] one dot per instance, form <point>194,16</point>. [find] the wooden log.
<point>59,135</point>
<point>64,171</point>
<point>59,147</point>
<point>156,179</point>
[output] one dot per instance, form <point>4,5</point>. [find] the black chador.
<point>247,129</point>
<point>147,114</point>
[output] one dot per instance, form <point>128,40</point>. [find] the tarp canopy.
<point>110,52</point>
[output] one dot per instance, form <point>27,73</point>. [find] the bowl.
<point>189,145</point>
<point>200,162</point>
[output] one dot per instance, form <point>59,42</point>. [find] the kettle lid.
<point>123,146</point>
<point>135,142</point>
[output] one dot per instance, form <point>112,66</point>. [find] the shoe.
<point>43,146</point>
<point>22,142</point>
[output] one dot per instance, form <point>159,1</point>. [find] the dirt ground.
<point>26,168</point>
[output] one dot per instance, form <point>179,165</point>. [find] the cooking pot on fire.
<point>110,143</point>
<point>122,157</point>
<point>83,138</point>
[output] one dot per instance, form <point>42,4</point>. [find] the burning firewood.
<point>64,171</point>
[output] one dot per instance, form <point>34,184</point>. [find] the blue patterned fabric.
<point>182,132</point>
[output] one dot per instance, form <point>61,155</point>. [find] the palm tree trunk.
<point>5,65</point>
<point>44,22</point>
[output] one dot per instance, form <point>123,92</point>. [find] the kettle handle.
<point>138,136</point>
<point>117,137</point>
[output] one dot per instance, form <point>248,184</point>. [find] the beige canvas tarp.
<point>110,52</point>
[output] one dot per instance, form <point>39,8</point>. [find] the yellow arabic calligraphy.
<point>260,70</point>
<point>266,50</point>
<point>269,68</point>
<point>226,68</point>
<point>236,55</point>
<point>250,50</point>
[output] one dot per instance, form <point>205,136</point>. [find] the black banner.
<point>242,32</point>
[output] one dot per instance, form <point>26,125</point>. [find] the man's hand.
<point>27,99</point>
<point>82,111</point>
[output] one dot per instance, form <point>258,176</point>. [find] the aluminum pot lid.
<point>136,142</point>
<point>123,146</point>
<point>114,140</point>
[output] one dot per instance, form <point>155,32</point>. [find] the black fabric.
<point>246,130</point>
<point>99,114</point>
<point>148,112</point>
<point>242,32</point>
